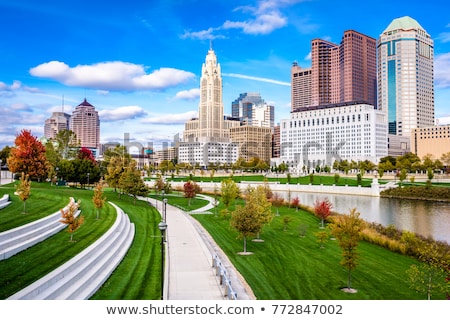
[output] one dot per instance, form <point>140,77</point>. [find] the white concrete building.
<point>320,135</point>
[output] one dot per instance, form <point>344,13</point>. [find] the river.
<point>426,218</point>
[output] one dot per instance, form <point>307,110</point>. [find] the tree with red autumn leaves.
<point>190,190</point>
<point>322,209</point>
<point>85,153</point>
<point>295,203</point>
<point>28,156</point>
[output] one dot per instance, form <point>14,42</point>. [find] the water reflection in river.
<point>427,218</point>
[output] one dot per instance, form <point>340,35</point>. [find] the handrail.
<point>225,281</point>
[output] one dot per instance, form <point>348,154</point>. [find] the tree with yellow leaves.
<point>98,199</point>
<point>69,217</point>
<point>23,190</point>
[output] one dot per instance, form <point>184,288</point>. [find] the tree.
<point>429,277</point>
<point>277,202</point>
<point>403,175</point>
<point>336,178</point>
<point>322,237</point>
<point>296,203</point>
<point>114,171</point>
<point>66,144</point>
<point>445,158</point>
<point>23,190</point>
<point>322,209</point>
<point>28,156</point>
<point>131,182</point>
<point>189,191</point>
<point>286,221</point>
<point>159,184</point>
<point>229,192</point>
<point>249,219</point>
<point>70,218</point>
<point>98,199</point>
<point>259,199</point>
<point>347,230</point>
<point>85,153</point>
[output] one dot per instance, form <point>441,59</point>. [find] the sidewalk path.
<point>189,260</point>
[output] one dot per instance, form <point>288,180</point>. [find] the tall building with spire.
<point>405,76</point>
<point>206,139</point>
<point>85,123</point>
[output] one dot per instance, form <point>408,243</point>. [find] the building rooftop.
<point>85,104</point>
<point>403,23</point>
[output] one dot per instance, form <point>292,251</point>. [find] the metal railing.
<point>224,278</point>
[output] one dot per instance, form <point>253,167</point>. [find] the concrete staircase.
<point>20,238</point>
<point>4,201</point>
<point>82,276</point>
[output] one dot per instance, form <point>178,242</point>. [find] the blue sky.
<point>139,62</point>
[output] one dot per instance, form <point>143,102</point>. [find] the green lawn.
<point>177,199</point>
<point>287,266</point>
<point>327,180</point>
<point>134,279</point>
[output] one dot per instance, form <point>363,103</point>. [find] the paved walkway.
<point>191,275</point>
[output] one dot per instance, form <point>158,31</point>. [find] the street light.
<point>162,226</point>
<point>165,209</point>
<point>88,178</point>
<point>1,171</point>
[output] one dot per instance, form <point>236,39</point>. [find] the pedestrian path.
<point>189,260</point>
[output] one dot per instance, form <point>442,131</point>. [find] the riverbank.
<point>373,191</point>
<point>441,194</point>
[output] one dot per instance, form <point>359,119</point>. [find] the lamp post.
<point>88,174</point>
<point>162,226</point>
<point>1,171</point>
<point>165,209</point>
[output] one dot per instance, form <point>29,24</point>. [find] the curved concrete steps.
<point>4,201</point>
<point>80,277</point>
<point>20,238</point>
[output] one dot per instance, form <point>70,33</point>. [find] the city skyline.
<point>140,65</point>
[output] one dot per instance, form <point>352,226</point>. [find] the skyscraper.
<point>206,139</point>
<point>57,122</point>
<point>209,126</point>
<point>300,87</point>
<point>345,72</point>
<point>252,110</point>
<point>85,123</point>
<point>405,76</point>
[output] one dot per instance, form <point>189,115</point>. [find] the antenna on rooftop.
<point>62,106</point>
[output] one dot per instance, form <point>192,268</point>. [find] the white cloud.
<point>242,76</point>
<point>444,37</point>
<point>261,24</point>
<point>191,94</point>
<point>442,70</point>
<point>207,34</point>
<point>264,19</point>
<point>172,119</point>
<point>122,113</point>
<point>109,76</point>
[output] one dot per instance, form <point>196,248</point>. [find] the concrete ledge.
<point>81,276</point>
<point>23,237</point>
<point>4,201</point>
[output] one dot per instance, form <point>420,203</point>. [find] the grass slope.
<point>287,266</point>
<point>138,276</point>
